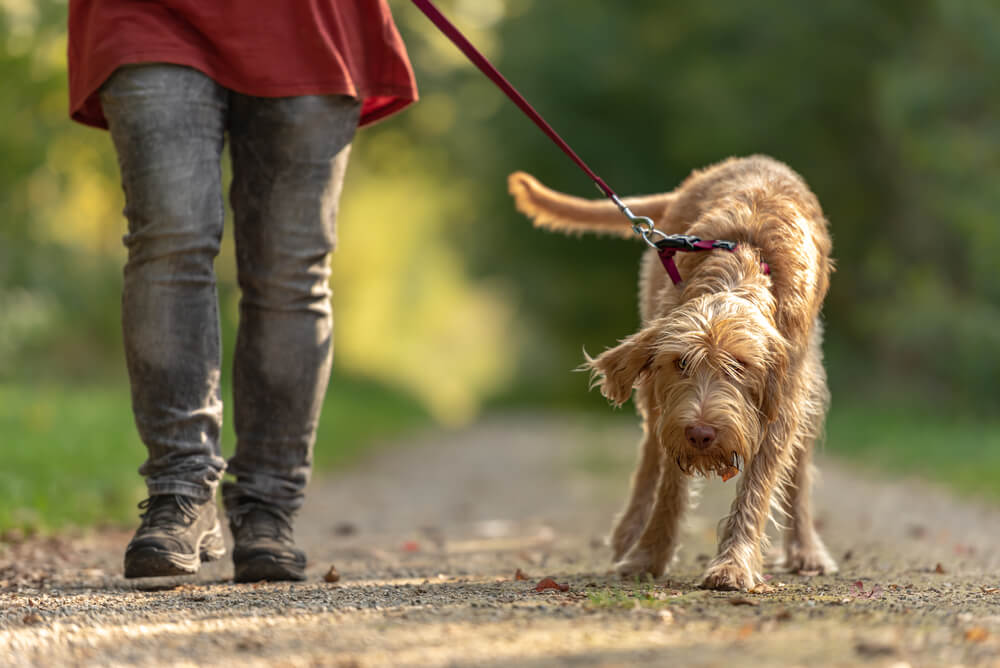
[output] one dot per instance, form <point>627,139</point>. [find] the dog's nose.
<point>700,435</point>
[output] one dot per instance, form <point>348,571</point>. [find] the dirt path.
<point>428,536</point>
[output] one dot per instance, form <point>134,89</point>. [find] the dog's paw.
<point>814,560</point>
<point>729,576</point>
<point>639,564</point>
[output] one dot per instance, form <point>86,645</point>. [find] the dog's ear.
<point>777,378</point>
<point>618,370</point>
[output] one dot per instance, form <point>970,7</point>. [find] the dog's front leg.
<point>738,564</point>
<point>645,482</point>
<point>656,545</point>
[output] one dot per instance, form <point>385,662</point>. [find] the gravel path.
<point>428,535</point>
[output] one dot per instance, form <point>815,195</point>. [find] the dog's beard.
<point>737,426</point>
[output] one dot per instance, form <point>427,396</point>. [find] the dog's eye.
<point>739,367</point>
<point>680,364</point>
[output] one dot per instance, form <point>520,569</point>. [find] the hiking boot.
<point>177,534</point>
<point>264,548</point>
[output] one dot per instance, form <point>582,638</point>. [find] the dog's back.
<point>756,201</point>
<point>763,205</point>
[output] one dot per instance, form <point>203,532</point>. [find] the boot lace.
<point>166,510</point>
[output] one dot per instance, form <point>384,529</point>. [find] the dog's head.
<point>712,368</point>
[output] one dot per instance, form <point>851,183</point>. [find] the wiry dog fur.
<point>727,367</point>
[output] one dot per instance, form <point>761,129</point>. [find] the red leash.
<point>486,67</point>
<point>668,244</point>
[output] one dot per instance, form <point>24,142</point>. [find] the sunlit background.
<point>449,305</point>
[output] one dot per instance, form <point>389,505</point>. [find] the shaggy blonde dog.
<point>727,366</point>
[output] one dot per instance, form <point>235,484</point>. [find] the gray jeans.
<point>168,124</point>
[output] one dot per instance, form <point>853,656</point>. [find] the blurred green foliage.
<point>70,453</point>
<point>888,108</point>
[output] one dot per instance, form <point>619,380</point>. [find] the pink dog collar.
<point>670,244</point>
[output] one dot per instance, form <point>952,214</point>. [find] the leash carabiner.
<point>641,225</point>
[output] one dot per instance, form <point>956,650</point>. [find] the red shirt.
<point>265,48</point>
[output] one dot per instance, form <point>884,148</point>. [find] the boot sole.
<point>152,562</point>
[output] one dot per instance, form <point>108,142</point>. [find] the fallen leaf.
<point>990,590</point>
<point>976,634</point>
<point>939,569</point>
<point>332,575</point>
<point>411,546</point>
<point>742,600</point>
<point>729,473</point>
<point>519,575</point>
<point>858,590</point>
<point>549,583</point>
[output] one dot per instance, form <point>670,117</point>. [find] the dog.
<point>727,366</point>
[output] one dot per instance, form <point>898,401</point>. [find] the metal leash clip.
<point>641,225</point>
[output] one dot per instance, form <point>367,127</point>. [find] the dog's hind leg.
<point>645,480</point>
<point>804,549</point>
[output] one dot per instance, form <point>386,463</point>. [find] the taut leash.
<point>666,245</point>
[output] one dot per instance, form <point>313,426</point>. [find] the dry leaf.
<point>939,569</point>
<point>729,473</point>
<point>332,575</point>
<point>858,590</point>
<point>519,575</point>
<point>990,590</point>
<point>549,583</point>
<point>742,600</point>
<point>977,634</point>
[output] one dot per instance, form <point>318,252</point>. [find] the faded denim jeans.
<point>169,124</point>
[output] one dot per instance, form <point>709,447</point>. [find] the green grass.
<point>68,455</point>
<point>898,438</point>
<point>629,597</point>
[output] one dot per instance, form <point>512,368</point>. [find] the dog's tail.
<point>565,213</point>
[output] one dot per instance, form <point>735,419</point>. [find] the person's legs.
<point>289,158</point>
<point>168,124</point>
